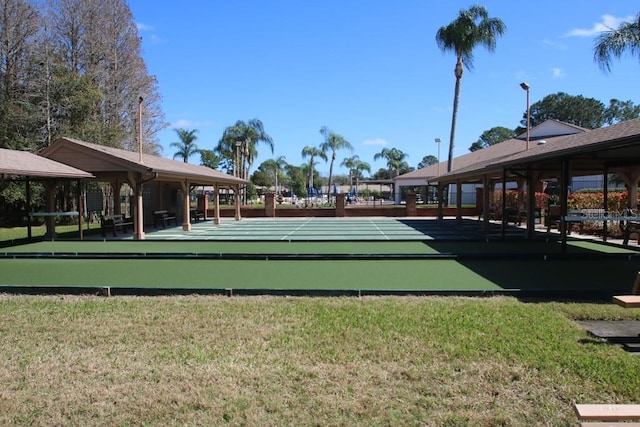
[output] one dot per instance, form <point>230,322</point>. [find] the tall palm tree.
<point>240,140</point>
<point>312,153</point>
<point>472,27</point>
<point>332,142</point>
<point>186,146</point>
<point>613,43</point>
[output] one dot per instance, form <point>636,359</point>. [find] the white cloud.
<point>557,73</point>
<point>191,124</point>
<point>609,22</point>
<point>555,44</point>
<point>143,27</point>
<point>376,141</point>
<point>183,123</point>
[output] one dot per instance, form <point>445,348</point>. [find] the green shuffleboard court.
<point>263,256</point>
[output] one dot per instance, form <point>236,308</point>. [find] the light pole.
<point>236,169</point>
<point>525,86</point>
<point>438,141</point>
<point>140,99</point>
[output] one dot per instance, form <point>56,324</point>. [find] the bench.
<point>552,217</point>
<point>196,215</point>
<point>164,218</point>
<point>629,227</point>
<point>607,412</point>
<point>112,222</point>
<point>513,215</point>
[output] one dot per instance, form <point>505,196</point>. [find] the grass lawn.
<point>16,233</point>
<point>305,361</point>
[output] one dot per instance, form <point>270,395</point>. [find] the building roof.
<point>489,154</point>
<point>551,128</point>
<point>104,161</point>
<point>590,152</point>
<point>24,163</point>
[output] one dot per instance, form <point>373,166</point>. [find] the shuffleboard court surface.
<point>309,229</point>
<point>308,276</point>
<point>316,255</point>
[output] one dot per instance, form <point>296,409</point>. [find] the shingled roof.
<point>590,151</point>
<point>24,163</point>
<point>100,159</point>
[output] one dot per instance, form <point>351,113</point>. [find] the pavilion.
<point>25,166</point>
<point>156,179</point>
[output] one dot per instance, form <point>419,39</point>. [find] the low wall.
<point>352,211</point>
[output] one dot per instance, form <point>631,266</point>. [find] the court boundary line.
<point>289,234</point>
<point>380,231</point>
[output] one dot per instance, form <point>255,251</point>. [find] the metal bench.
<point>196,215</point>
<point>164,218</point>
<point>113,222</point>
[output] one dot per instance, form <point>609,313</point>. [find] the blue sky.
<point>369,70</point>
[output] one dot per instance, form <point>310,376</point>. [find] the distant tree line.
<point>577,110</point>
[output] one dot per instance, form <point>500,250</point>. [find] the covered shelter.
<point>611,149</point>
<point>144,172</point>
<point>26,166</point>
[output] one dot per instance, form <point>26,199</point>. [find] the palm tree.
<point>613,43</point>
<point>472,27</point>
<point>332,142</point>
<point>395,159</point>
<point>277,165</point>
<point>312,153</point>
<point>186,147</point>
<point>240,141</point>
<point>356,167</point>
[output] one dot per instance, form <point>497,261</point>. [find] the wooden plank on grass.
<point>607,412</point>
<point>627,301</point>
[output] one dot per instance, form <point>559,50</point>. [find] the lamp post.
<point>438,141</point>
<point>236,169</point>
<point>525,86</point>
<point>140,99</point>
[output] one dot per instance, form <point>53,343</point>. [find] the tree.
<point>492,136</point>
<point>575,110</point>
<point>580,111</point>
<point>262,177</point>
<point>275,167</point>
<point>395,160</point>
<point>427,161</point>
<point>312,153</point>
<point>241,140</point>
<point>99,39</point>
<point>18,31</point>
<point>356,167</point>
<point>333,142</point>
<point>472,27</point>
<point>620,111</point>
<point>613,43</point>
<point>209,159</point>
<point>186,146</point>
<point>296,178</point>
